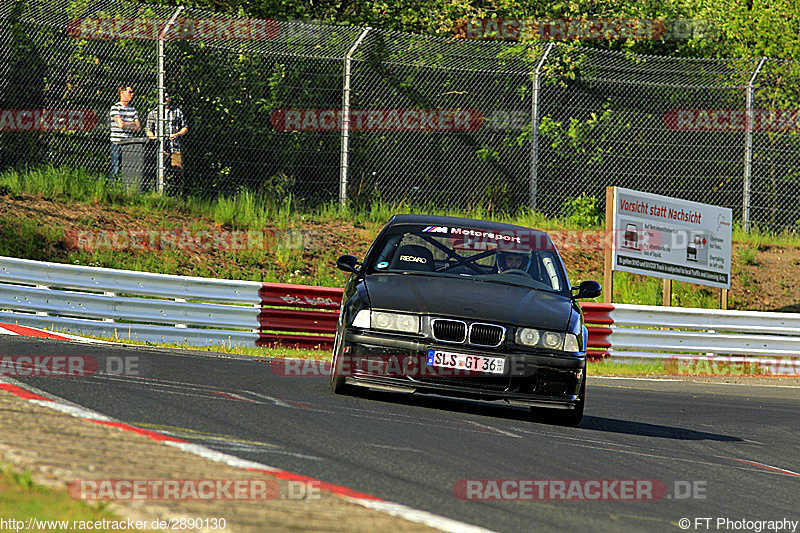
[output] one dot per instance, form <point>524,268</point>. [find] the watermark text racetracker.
<point>152,240</point>
<point>67,365</point>
<point>193,489</point>
<point>34,524</point>
<point>577,490</point>
<point>718,365</point>
<point>213,29</point>
<point>47,120</point>
<point>401,119</point>
<point>722,120</point>
<point>403,365</point>
<point>377,119</point>
<point>564,29</point>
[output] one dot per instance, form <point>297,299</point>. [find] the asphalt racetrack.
<point>721,451</point>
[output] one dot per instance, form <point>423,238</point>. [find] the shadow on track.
<point>626,427</point>
<point>522,414</point>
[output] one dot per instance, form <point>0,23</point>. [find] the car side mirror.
<point>588,289</point>
<point>348,263</point>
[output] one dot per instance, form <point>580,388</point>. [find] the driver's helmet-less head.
<point>513,261</point>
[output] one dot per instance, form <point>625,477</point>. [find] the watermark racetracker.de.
<point>577,490</point>
<point>35,524</point>
<point>572,29</point>
<point>416,365</point>
<point>722,120</point>
<point>210,29</point>
<point>47,120</point>
<point>718,365</point>
<point>67,365</point>
<point>192,489</point>
<point>153,240</point>
<point>377,119</point>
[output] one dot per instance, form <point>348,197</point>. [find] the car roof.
<point>456,221</point>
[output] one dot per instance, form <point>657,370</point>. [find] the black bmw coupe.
<point>467,308</point>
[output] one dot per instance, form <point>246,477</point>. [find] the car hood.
<point>469,299</point>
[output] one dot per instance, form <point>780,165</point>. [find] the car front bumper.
<point>529,379</point>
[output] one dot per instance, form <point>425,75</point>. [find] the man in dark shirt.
<point>174,128</point>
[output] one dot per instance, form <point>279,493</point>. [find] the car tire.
<point>571,417</point>
<point>337,381</point>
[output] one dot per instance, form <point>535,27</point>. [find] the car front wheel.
<point>337,380</point>
<point>571,417</point>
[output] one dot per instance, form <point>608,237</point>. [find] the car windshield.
<point>514,257</point>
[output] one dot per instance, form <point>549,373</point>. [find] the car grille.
<point>482,383</point>
<point>449,330</point>
<point>486,334</point>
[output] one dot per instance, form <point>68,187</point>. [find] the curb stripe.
<point>152,435</point>
<point>23,393</point>
<point>71,410</point>
<point>31,332</point>
<point>339,490</point>
<point>768,467</point>
<point>420,517</point>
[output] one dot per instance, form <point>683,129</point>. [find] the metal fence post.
<point>161,111</point>
<point>748,148</point>
<point>345,152</point>
<point>534,184</point>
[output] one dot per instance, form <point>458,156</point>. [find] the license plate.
<point>475,363</point>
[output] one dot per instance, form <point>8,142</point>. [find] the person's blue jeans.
<point>116,160</point>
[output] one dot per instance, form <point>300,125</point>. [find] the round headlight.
<point>407,323</point>
<point>381,320</point>
<point>527,336</point>
<point>553,340</point>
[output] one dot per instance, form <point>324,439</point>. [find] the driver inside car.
<point>513,261</point>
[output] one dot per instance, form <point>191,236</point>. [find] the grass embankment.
<point>47,210</point>
<point>21,499</point>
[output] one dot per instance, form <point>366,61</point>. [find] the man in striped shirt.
<point>124,121</point>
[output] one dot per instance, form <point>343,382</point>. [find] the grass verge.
<point>22,499</point>
<point>249,209</point>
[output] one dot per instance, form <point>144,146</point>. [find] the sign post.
<point>669,238</point>
<point>608,247</point>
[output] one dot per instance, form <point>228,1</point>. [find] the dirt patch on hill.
<point>769,282</point>
<point>175,243</point>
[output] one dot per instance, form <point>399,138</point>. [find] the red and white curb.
<point>44,399</point>
<point>25,331</point>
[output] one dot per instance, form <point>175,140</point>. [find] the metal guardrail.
<point>127,281</point>
<point>103,306</point>
<point>134,331</point>
<point>638,331</point>
<point>199,311</point>
<point>163,308</point>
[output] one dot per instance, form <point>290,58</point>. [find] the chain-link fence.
<point>326,113</point>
